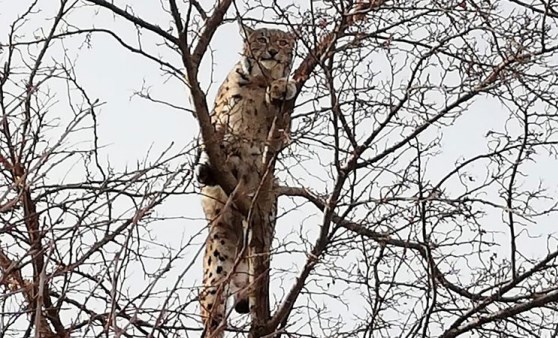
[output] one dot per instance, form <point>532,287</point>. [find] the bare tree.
<point>71,223</point>
<point>418,192</point>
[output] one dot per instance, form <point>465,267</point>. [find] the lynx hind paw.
<point>282,90</point>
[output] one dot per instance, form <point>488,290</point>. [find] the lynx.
<point>245,107</point>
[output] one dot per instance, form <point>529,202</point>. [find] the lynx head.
<point>271,48</point>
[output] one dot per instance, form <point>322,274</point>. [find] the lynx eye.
<point>261,40</point>
<point>283,43</point>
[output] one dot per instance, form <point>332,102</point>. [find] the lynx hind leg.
<point>240,285</point>
<point>214,293</point>
<point>212,303</point>
<point>281,90</point>
<point>219,261</point>
<point>223,246</point>
<point>213,296</point>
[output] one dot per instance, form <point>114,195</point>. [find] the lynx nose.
<point>272,52</point>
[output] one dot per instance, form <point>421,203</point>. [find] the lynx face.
<point>272,48</point>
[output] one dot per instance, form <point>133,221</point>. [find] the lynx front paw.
<point>205,175</point>
<point>281,90</point>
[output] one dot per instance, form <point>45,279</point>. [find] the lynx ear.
<point>245,31</point>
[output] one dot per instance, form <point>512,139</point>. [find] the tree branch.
<point>140,22</point>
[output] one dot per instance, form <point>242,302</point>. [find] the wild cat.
<point>246,105</point>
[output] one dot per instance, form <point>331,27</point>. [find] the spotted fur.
<point>246,104</point>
